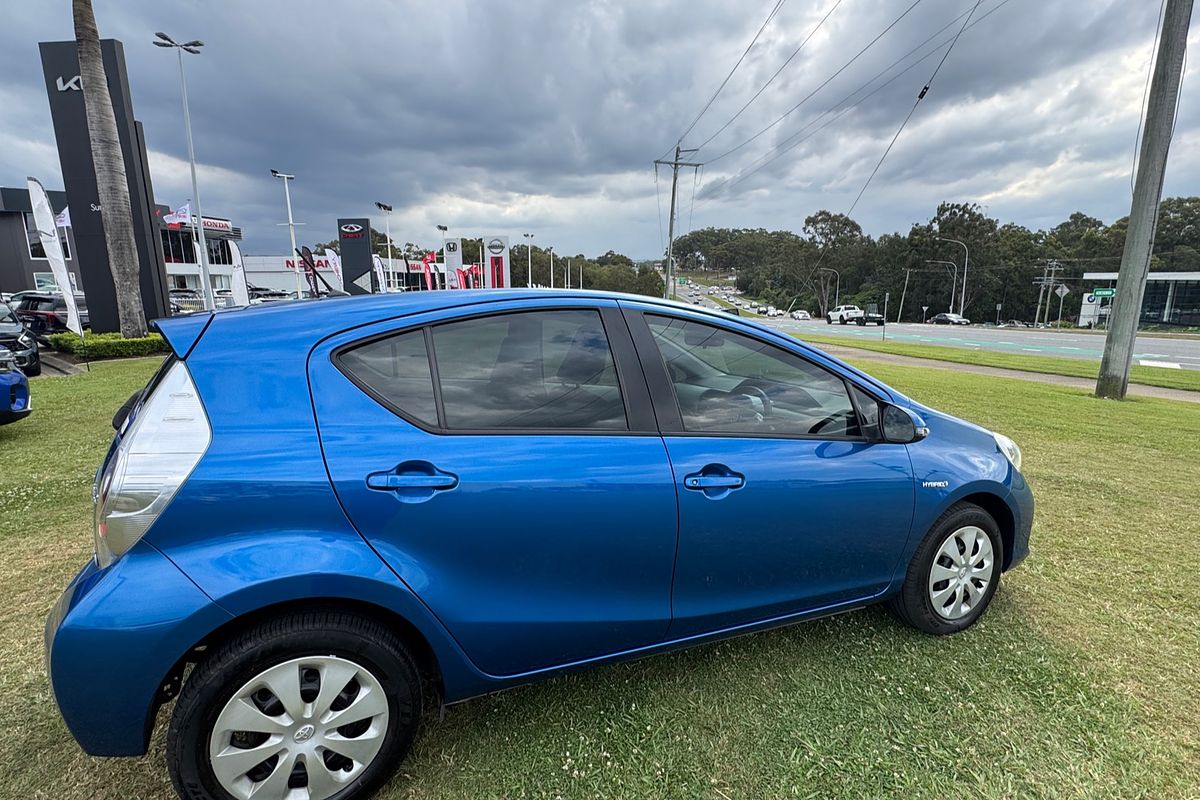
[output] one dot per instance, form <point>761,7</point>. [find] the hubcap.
<point>961,572</point>
<point>304,730</point>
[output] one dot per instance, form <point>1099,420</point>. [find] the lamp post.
<point>291,223</point>
<point>837,292</point>
<point>953,282</point>
<point>962,302</point>
<point>387,224</point>
<point>529,255</point>
<point>192,47</point>
<point>552,266</point>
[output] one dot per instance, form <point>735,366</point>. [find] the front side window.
<point>529,370</point>
<point>396,370</point>
<point>726,382</point>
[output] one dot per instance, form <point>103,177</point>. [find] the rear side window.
<point>529,370</point>
<point>396,370</point>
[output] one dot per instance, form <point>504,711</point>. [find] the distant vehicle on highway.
<point>1014,323</point>
<point>950,319</point>
<point>843,314</point>
<point>869,318</point>
<point>801,315</point>
<point>733,311</point>
<point>14,390</point>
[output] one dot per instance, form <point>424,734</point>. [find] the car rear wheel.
<point>841,320</point>
<point>954,573</point>
<point>317,705</point>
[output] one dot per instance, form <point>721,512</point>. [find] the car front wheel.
<point>318,705</point>
<point>954,573</point>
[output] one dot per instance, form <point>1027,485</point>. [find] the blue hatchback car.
<point>14,390</point>
<point>421,498</point>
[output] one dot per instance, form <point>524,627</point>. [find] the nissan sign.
<point>495,247</point>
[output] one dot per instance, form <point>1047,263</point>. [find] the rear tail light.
<point>157,450</point>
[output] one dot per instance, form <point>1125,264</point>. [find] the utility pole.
<point>675,164</point>
<point>900,311</point>
<point>1147,191</point>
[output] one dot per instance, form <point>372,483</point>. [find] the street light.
<point>529,253</point>
<point>966,260</point>
<point>954,280</point>
<point>551,266</point>
<point>192,47</point>
<point>445,229</point>
<point>291,223</point>
<point>387,222</point>
<point>837,292</point>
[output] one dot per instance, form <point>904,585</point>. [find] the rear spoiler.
<point>182,332</point>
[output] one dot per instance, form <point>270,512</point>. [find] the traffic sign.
<point>1104,292</point>
<point>1062,290</point>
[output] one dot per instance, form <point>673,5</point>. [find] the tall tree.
<point>111,181</point>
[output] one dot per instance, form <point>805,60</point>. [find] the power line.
<point>773,77</point>
<point>809,96</point>
<point>920,96</point>
<point>711,100</point>
<point>799,137</point>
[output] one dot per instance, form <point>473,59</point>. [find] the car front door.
<point>507,466</point>
<point>784,506</point>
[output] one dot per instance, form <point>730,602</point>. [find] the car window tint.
<point>542,370</point>
<point>730,383</point>
<point>396,369</point>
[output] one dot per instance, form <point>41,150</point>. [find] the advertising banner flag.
<point>453,255</point>
<point>63,220</point>
<point>425,262</point>
<point>496,270</point>
<point>241,292</point>
<point>43,217</point>
<point>380,278</point>
<point>335,262</point>
<point>180,216</point>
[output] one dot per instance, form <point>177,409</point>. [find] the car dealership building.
<point>1172,298</point>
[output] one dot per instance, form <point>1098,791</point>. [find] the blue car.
<point>417,499</point>
<point>14,390</point>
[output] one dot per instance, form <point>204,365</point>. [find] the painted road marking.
<point>1164,364</point>
<point>1031,349</point>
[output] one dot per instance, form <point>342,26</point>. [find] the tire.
<point>828,320</point>
<point>915,603</point>
<point>34,371</point>
<point>330,641</point>
<point>841,320</point>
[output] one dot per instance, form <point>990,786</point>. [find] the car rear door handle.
<point>412,481</point>
<point>714,481</point>
<point>390,480</point>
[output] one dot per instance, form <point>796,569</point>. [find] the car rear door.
<point>784,507</point>
<point>505,463</point>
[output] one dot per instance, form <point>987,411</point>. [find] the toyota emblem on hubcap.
<point>304,733</point>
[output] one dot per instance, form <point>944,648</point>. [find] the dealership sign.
<point>496,272</point>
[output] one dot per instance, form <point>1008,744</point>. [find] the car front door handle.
<point>714,481</point>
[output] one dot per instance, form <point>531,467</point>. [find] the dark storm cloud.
<point>543,116</point>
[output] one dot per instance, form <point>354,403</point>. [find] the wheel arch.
<point>997,509</point>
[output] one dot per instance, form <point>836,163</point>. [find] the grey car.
<point>19,342</point>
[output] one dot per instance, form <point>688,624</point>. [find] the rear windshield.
<point>37,303</point>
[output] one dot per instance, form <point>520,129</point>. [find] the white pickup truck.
<point>843,314</point>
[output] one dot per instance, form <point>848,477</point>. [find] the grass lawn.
<point>1052,365</point>
<point>1082,681</point>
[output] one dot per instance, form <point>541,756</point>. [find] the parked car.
<point>18,341</point>
<point>843,314</point>
<point>869,318</point>
<point>325,547</point>
<point>1014,323</point>
<point>950,319</point>
<point>801,315</point>
<point>736,312</point>
<point>44,313</point>
<point>14,390</point>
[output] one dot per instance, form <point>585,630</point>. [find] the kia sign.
<point>354,236</point>
<point>60,68</point>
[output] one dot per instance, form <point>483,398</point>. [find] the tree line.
<point>831,260</point>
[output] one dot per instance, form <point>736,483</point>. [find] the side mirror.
<point>901,426</point>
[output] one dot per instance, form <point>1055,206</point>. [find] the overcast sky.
<point>543,116</point>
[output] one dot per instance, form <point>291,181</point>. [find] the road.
<point>1027,341</point>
